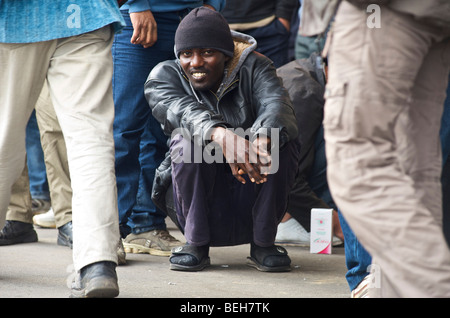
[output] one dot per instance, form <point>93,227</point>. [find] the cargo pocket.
<point>334,106</point>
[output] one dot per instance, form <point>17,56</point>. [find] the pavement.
<point>44,270</point>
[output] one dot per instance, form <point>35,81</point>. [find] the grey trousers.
<point>384,102</point>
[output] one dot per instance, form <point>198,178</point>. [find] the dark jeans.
<point>214,208</point>
<point>273,42</point>
<point>35,160</point>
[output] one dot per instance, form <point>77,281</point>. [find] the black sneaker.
<point>16,232</point>
<point>97,280</point>
<point>65,237</point>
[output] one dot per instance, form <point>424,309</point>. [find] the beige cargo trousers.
<point>384,102</point>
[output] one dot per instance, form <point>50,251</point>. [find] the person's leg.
<point>55,155</point>
<point>138,154</point>
<point>389,202</point>
<point>19,225</point>
<point>19,208</point>
<point>37,172</point>
<point>145,215</point>
<point>58,174</point>
<point>305,45</point>
<point>445,126</point>
<point>18,95</point>
<point>79,81</point>
<point>193,184</point>
<point>272,196</point>
<point>445,178</point>
<point>270,205</point>
<point>357,258</point>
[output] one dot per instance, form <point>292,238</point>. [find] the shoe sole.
<point>47,225</point>
<point>139,249</point>
<point>304,244</point>
<point>195,268</point>
<point>253,263</point>
<point>293,243</point>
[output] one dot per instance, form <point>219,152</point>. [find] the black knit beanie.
<point>204,28</point>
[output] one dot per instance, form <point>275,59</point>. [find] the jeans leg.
<point>445,178</point>
<point>132,64</point>
<point>145,215</point>
<point>357,258</point>
<point>35,160</point>
<point>445,127</point>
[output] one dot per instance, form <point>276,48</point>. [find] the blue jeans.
<point>445,127</point>
<point>357,258</point>
<point>140,143</point>
<point>445,178</point>
<point>37,172</point>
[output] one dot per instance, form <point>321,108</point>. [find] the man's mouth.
<point>198,75</point>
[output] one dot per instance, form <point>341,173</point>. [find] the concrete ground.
<point>44,270</point>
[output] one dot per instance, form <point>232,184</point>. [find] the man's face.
<point>204,67</point>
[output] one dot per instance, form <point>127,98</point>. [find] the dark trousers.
<point>214,208</point>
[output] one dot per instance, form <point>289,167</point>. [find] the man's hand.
<point>243,156</point>
<point>285,23</point>
<point>145,28</point>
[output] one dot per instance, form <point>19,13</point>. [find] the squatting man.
<point>217,85</point>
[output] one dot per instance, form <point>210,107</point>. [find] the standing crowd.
<point>234,119</point>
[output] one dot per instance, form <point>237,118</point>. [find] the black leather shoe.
<point>16,232</point>
<point>97,280</point>
<point>65,235</point>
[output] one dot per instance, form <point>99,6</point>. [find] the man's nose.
<point>196,60</point>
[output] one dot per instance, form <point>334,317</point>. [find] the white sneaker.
<point>39,206</point>
<point>45,219</point>
<point>293,233</point>
<point>362,290</point>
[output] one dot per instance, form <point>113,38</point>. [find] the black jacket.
<point>251,97</point>
<point>305,81</point>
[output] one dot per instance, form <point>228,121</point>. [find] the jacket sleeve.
<point>137,5</point>
<point>216,4</point>
<point>175,106</point>
<point>273,106</point>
